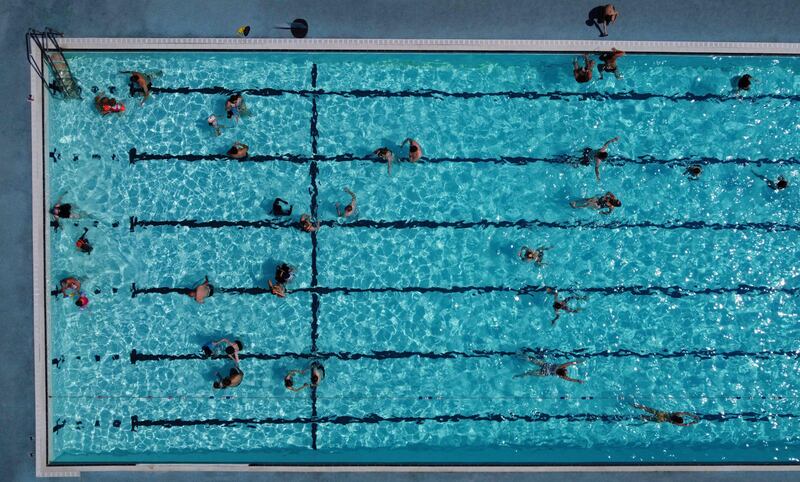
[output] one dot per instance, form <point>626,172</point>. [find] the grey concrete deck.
<point>732,20</point>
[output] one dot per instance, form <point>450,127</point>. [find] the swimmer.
<point>610,15</point>
<point>317,373</point>
<point>83,301</point>
<point>203,291</point>
<point>234,106</point>
<point>610,62</point>
<point>277,289</point>
<point>234,379</point>
<point>278,209</point>
<point>660,416</point>
<point>776,185</point>
<point>83,244</point>
<point>693,172</point>
<point>744,82</point>
<point>350,208</point>
<point>386,154</point>
<point>70,286</point>
<point>601,155</point>
<point>214,124</point>
<point>414,149</point>
<point>63,211</point>
<point>307,223</point>
<point>106,105</point>
<point>561,305</point>
<point>550,370</point>
<point>140,82</point>
<point>288,380</point>
<point>527,255</point>
<point>284,273</point>
<point>583,74</point>
<point>607,201</point>
<point>232,348</point>
<point>238,150</point>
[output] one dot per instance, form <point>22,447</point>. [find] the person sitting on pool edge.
<point>350,208</point>
<point>777,185</point>
<point>288,380</point>
<point>550,370</point>
<point>307,223</point>
<point>528,255</point>
<point>610,62</point>
<point>279,210</point>
<point>238,151</point>
<point>203,291</point>
<point>234,379</point>
<point>660,416</point>
<point>583,74</point>
<point>561,305</point>
<point>414,149</point>
<point>277,289</point>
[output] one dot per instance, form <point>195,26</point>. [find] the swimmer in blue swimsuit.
<point>550,370</point>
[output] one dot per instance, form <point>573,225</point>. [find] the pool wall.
<point>41,233</point>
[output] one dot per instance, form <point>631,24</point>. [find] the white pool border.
<point>41,281</point>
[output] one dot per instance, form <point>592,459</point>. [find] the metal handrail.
<point>46,41</point>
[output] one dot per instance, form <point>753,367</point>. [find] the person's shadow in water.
<point>596,18</point>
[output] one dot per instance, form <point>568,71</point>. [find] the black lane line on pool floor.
<point>440,94</point>
<point>135,156</point>
<point>671,291</point>
<point>543,353</point>
<point>313,171</point>
<point>753,417</point>
<point>483,223</point>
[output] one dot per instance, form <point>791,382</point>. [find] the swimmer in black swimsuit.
<point>561,305</point>
<point>550,370</point>
<point>607,201</point>
<point>693,172</point>
<point>777,185</point>
<point>279,210</point>
<point>83,244</point>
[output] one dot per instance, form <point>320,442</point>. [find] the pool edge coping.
<point>40,235</point>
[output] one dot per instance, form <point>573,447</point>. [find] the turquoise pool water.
<point>418,307</point>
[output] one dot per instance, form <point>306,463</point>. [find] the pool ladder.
<point>64,84</point>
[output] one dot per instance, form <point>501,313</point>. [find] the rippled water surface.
<point>418,306</point>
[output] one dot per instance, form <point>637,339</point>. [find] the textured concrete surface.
<point>732,20</point>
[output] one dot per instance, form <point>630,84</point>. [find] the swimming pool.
<point>418,307</point>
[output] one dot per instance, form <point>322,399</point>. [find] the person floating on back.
<point>203,291</point>
<point>550,370</point>
<point>414,149</point>
<point>605,204</point>
<point>777,185</point>
<point>693,172</point>
<point>529,255</point>
<point>234,379</point>
<point>278,208</point>
<point>350,209</point>
<point>385,154</point>
<point>610,62</point>
<point>560,305</point>
<point>238,151</point>
<point>583,74</point>
<point>660,416</point>
<point>599,156</point>
<point>82,244</point>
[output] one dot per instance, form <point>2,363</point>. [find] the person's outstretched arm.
<point>597,168</point>
<point>645,408</point>
<point>570,379</point>
<point>529,373</point>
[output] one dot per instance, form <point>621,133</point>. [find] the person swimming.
<point>414,149</point>
<point>350,208</point>
<point>307,223</point>
<point>744,82</point>
<point>83,301</point>
<point>560,305</point>
<point>386,154</point>
<point>70,286</point>
<point>214,124</point>
<point>607,201</point>
<point>139,83</point>
<point>536,256</point>
<point>203,291</point>
<point>63,211</point>
<point>284,273</point>
<point>601,155</point>
<point>277,289</point>
<point>776,185</point>
<point>317,373</point>
<point>694,171</point>
<point>83,244</point>
<point>238,151</point>
<point>234,379</point>
<point>288,380</point>
<point>583,74</point>
<point>610,62</point>
<point>278,208</point>
<point>660,416</point>
<point>550,370</point>
<point>234,106</point>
